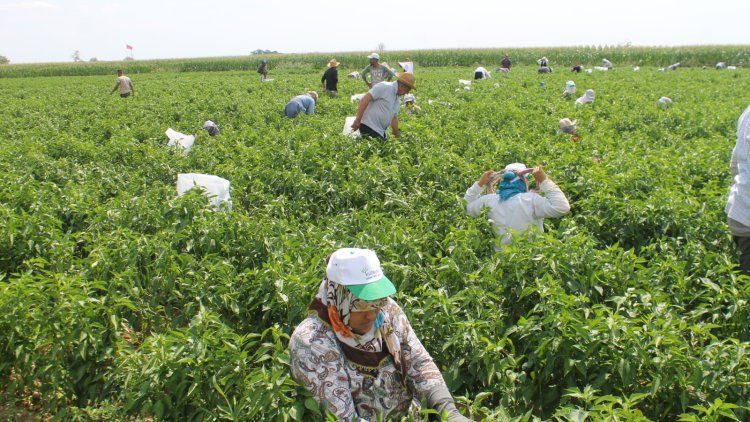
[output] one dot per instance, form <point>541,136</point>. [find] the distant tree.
<point>381,47</point>
<point>76,56</point>
<point>4,60</point>
<point>93,59</point>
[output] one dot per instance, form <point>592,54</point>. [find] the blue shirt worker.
<point>304,103</point>
<point>379,108</point>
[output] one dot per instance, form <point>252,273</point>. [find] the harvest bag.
<point>180,139</point>
<point>217,189</point>
<point>348,128</point>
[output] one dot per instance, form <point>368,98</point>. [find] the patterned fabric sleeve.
<point>319,364</point>
<point>422,373</point>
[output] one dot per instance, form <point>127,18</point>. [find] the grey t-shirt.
<point>383,107</point>
<point>379,74</point>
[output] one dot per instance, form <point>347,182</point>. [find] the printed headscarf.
<point>340,303</point>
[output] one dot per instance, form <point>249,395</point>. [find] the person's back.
<point>505,64</point>
<point>520,210</point>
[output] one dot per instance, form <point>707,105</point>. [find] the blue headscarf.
<point>511,185</point>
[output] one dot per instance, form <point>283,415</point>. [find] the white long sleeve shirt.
<point>519,212</point>
<point>738,203</point>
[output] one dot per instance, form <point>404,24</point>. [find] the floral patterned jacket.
<point>358,385</point>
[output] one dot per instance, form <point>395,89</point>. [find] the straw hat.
<point>314,95</point>
<point>333,63</point>
<point>407,79</point>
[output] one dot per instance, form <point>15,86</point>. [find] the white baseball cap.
<point>360,271</point>
<point>375,56</point>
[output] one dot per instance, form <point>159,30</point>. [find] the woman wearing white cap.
<point>588,97</point>
<point>357,353</point>
<point>378,73</point>
<point>514,208</point>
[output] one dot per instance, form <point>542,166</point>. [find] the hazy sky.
<point>51,30</point>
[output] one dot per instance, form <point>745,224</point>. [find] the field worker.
<point>607,64</point>
<point>588,97</point>
<point>304,103</point>
<point>577,68</point>
<point>378,73</point>
<point>570,89</point>
<point>664,102</point>
<point>543,62</point>
<point>481,73</point>
<point>411,104</point>
<point>356,351</point>
<point>568,126</point>
<point>379,107</point>
<point>124,84</point>
<point>721,65</point>
<point>263,69</point>
<point>330,78</point>
<point>673,66</point>
<point>738,203</point>
<point>514,208</point>
<point>505,63</point>
<point>354,75</point>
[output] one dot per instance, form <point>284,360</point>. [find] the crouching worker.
<point>304,103</point>
<point>357,352</point>
<point>514,208</point>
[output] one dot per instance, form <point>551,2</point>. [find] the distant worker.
<point>330,78</point>
<point>607,64</point>
<point>505,63</point>
<point>721,65</point>
<point>263,70</point>
<point>570,89</point>
<point>738,202</point>
<point>543,62</point>
<point>378,73</point>
<point>577,68</point>
<point>514,208</point>
<point>673,66</point>
<point>379,108</point>
<point>411,104</point>
<point>544,69</point>
<point>481,73</point>
<point>125,84</point>
<point>407,65</point>
<point>568,126</point>
<point>304,103</point>
<point>588,97</point>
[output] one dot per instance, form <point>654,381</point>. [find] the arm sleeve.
<point>378,91</point>
<point>474,201</point>
<point>364,73</point>
<point>421,372</point>
<point>320,367</point>
<point>390,72</point>
<point>733,165</point>
<point>311,106</point>
<point>553,204</point>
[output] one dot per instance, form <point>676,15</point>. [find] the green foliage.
<point>119,300</point>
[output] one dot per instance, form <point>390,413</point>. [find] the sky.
<point>34,31</point>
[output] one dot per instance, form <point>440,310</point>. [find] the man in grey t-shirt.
<point>379,108</point>
<point>378,72</point>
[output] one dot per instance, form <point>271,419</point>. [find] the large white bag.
<point>217,189</point>
<point>348,128</point>
<point>180,139</point>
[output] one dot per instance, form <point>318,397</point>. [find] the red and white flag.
<point>128,46</point>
